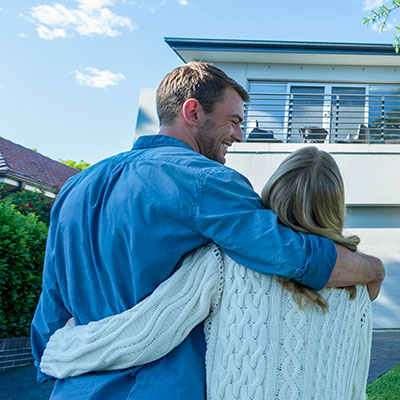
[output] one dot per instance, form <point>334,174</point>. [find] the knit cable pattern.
<point>261,346</point>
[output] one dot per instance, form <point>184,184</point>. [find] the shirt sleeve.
<point>230,213</point>
<point>147,331</point>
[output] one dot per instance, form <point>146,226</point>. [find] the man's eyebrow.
<point>238,117</point>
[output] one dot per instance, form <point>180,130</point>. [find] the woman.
<point>267,338</point>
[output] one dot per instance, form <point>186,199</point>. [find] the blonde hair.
<point>307,194</point>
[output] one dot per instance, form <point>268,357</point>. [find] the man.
<point>122,227</point>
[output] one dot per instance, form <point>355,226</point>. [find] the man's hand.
<point>354,268</point>
<point>374,289</point>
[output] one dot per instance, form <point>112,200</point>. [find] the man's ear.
<point>192,112</point>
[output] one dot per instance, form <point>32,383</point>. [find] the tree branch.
<point>381,16</point>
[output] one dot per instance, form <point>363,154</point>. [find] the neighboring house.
<point>343,98</point>
<point>22,168</point>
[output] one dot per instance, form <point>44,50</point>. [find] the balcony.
<point>304,117</point>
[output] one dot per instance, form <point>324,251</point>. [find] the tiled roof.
<point>27,165</point>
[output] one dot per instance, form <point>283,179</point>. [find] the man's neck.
<point>181,133</point>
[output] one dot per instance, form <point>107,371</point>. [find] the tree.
<point>380,16</point>
<point>81,165</point>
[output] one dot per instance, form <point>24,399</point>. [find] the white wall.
<point>147,121</point>
<point>369,171</point>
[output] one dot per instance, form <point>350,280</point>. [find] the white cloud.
<point>1,87</point>
<point>94,4</point>
<point>183,2</point>
<point>97,78</point>
<point>46,33</point>
<point>23,35</point>
<point>91,17</point>
<point>372,4</point>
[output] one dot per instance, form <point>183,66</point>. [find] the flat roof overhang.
<point>283,52</point>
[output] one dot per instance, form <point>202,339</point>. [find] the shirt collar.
<point>148,141</point>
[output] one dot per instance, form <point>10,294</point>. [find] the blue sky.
<point>71,70</point>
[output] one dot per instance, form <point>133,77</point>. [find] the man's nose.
<point>238,134</point>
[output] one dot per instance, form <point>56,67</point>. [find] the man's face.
<point>221,127</point>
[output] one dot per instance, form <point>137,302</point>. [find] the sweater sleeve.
<point>145,332</point>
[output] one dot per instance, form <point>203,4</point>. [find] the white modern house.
<point>341,97</point>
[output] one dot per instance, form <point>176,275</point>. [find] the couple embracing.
<point>152,242</point>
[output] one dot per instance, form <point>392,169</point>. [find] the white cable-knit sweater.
<point>259,344</point>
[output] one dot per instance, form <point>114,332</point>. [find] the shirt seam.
<point>198,197</point>
<point>200,190</point>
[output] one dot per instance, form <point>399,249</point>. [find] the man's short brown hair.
<point>196,80</point>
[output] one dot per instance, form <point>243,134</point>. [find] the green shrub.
<point>27,202</point>
<point>22,246</point>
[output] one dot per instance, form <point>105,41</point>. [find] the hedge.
<point>27,202</point>
<point>22,246</point>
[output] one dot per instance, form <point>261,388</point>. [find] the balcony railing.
<point>322,118</point>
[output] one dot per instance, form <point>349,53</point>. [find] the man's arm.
<point>229,212</point>
<point>354,268</point>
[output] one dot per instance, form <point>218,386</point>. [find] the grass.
<point>387,387</point>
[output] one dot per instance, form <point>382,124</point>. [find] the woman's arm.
<point>147,331</point>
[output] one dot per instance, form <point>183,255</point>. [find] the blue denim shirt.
<point>121,227</point>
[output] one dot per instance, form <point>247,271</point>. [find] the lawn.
<point>387,387</point>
